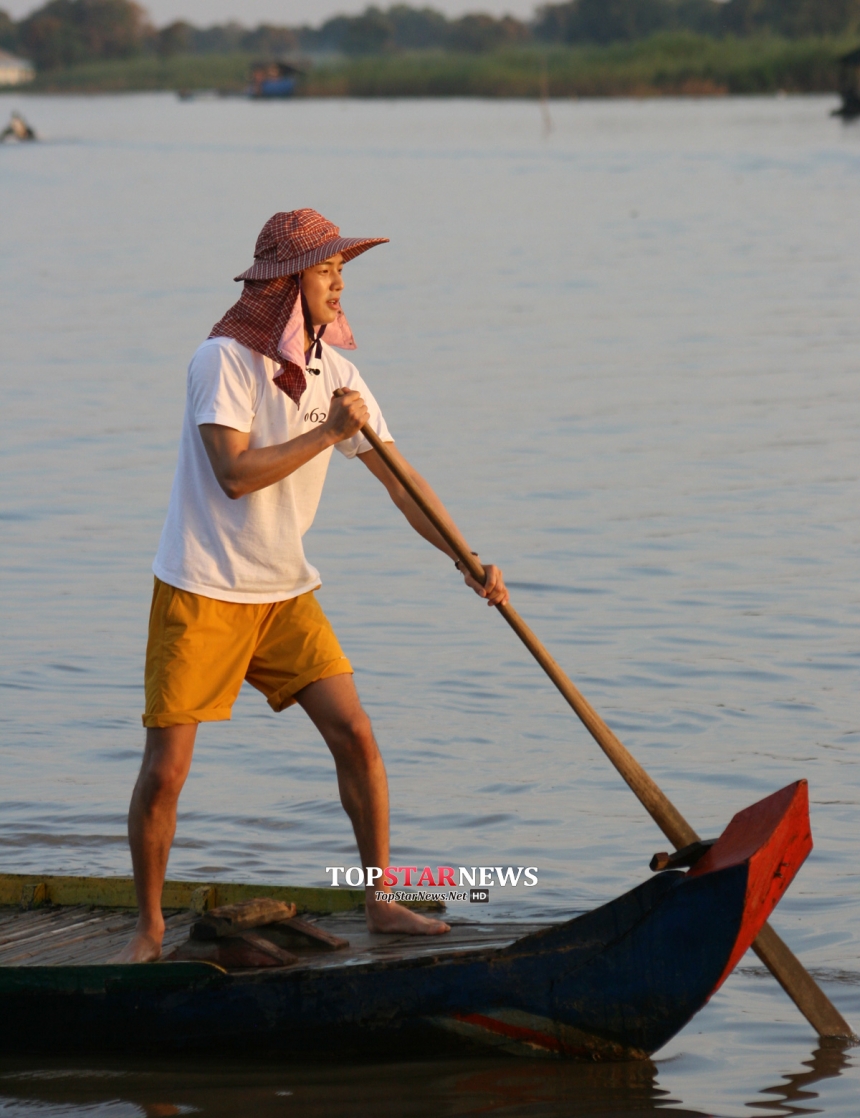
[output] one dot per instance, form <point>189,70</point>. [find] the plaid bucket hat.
<point>268,317</point>
<point>290,242</point>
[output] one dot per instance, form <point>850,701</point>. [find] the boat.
<point>17,129</point>
<point>615,983</point>
<point>268,81</point>
<point>273,80</point>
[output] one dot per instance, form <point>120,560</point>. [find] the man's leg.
<point>151,827</point>
<point>335,709</point>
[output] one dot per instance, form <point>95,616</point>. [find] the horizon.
<point>290,13</point>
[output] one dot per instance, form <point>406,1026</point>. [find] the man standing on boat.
<point>234,594</point>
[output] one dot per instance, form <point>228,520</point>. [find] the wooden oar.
<point>789,972</point>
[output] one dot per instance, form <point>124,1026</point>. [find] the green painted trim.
<point>118,892</point>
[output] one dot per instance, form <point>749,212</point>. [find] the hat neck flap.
<point>268,318</point>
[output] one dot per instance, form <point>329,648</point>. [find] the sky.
<point>289,12</point>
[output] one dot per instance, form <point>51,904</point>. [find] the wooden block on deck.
<point>237,952</point>
<point>229,919</point>
<point>299,935</point>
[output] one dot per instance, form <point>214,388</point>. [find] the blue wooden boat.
<point>273,80</point>
<point>613,984</point>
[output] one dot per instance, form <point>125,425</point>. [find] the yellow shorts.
<point>200,649</point>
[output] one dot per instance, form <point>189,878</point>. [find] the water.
<point>625,354</point>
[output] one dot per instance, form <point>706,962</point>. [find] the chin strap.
<point>316,340</point>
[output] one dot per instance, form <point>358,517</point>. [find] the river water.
<point>624,351</point>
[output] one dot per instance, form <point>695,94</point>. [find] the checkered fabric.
<point>288,243</point>
<point>258,321</point>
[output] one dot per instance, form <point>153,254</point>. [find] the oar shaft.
<point>797,982</point>
<point>656,803</point>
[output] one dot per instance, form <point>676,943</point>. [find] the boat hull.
<point>615,983</point>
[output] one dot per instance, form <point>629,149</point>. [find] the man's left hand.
<point>494,589</point>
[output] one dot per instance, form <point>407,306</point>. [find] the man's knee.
<point>351,740</point>
<point>161,780</point>
<point>166,761</point>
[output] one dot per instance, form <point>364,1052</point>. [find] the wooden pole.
<point>789,972</point>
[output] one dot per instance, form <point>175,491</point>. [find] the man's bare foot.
<point>143,947</point>
<point>395,919</point>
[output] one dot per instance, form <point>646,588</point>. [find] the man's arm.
<point>240,471</point>
<point>494,590</point>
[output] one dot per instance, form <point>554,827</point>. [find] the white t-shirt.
<point>250,549</point>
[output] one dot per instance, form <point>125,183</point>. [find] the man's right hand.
<point>347,415</point>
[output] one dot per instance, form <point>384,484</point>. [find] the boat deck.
<point>83,935</point>
<point>68,935</point>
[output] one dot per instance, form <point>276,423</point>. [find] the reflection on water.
<point>497,1087</point>
<point>510,1087</point>
<point>626,356</point>
<point>795,1094</point>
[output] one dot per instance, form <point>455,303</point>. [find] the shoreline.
<point>212,95</point>
<point>674,65</point>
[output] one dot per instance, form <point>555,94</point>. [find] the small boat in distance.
<point>273,80</point>
<point>17,129</point>
<point>268,81</point>
<point>615,983</point>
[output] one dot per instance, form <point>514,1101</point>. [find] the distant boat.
<point>613,984</point>
<point>271,80</point>
<point>17,129</point>
<point>849,85</point>
<point>268,81</point>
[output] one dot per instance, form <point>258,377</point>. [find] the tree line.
<point>65,33</point>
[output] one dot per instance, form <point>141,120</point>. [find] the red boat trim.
<point>513,1032</point>
<point>773,837</point>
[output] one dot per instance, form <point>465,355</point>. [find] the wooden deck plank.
<point>8,916</point>
<point>47,919</point>
<point>79,952</point>
<point>105,942</point>
<point>106,949</point>
<point>49,934</point>
<point>75,935</point>
<point>32,920</point>
<point>35,929</point>
<point>31,954</point>
<point>80,935</point>
<point>95,925</point>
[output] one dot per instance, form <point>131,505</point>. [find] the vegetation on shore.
<point>227,73</point>
<point>664,64</point>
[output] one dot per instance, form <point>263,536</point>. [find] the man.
<point>234,594</point>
